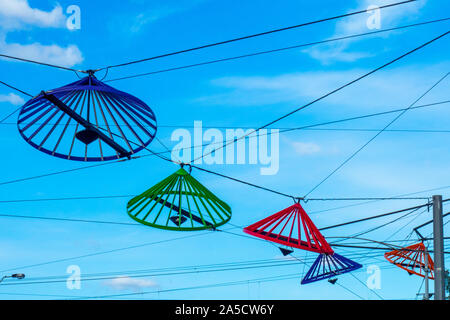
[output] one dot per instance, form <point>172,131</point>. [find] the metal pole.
<point>427,290</point>
<point>438,235</point>
<point>447,283</point>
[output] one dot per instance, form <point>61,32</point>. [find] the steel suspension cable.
<point>252,36</point>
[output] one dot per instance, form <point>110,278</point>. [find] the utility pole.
<point>438,235</point>
<point>427,290</point>
<point>447,283</point>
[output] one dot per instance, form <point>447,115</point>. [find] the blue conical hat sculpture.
<point>87,120</point>
<point>328,266</point>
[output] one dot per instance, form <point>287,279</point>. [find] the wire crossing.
<point>376,135</point>
<point>252,36</point>
<point>254,54</point>
<point>330,93</point>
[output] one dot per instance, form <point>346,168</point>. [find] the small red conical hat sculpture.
<point>412,259</point>
<point>291,227</point>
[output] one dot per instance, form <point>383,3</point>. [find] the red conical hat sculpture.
<point>291,227</point>
<point>412,259</point>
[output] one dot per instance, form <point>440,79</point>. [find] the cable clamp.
<point>182,164</point>
<point>298,199</point>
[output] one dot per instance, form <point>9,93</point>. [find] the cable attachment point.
<point>90,72</point>
<point>182,164</point>
<point>429,204</point>
<point>298,199</point>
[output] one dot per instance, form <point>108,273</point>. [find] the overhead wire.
<point>305,263</point>
<point>347,199</point>
<point>287,129</point>
<point>207,286</point>
<point>156,274</point>
<point>163,269</point>
<point>251,36</point>
<point>152,153</point>
<point>108,251</point>
<point>376,135</point>
<point>330,93</point>
<point>15,88</point>
<point>377,216</point>
<point>274,50</point>
<point>373,201</point>
<point>40,63</point>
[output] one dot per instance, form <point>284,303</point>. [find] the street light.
<point>15,275</point>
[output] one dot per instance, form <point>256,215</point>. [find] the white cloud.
<point>127,283</point>
<point>147,15</point>
<point>336,52</point>
<point>142,19</point>
<point>54,54</point>
<point>297,88</point>
<point>17,13</point>
<point>389,17</point>
<point>11,98</point>
<point>306,148</point>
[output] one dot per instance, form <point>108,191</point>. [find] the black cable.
<point>10,115</point>
<point>275,50</point>
<point>404,226</point>
<point>60,172</point>
<point>428,222</point>
<point>69,198</point>
<point>362,117</point>
<point>372,201</point>
<point>377,216</point>
<point>71,220</point>
<point>270,242</point>
<point>215,285</point>
<point>372,248</point>
<point>252,36</point>
<point>366,198</point>
<point>249,183</point>
<point>234,179</point>
<point>387,223</point>
<point>330,93</point>
<point>40,63</point>
<point>15,88</point>
<point>243,182</point>
<point>376,135</point>
<point>133,195</point>
<point>164,269</point>
<point>290,129</point>
<point>285,130</point>
<point>108,251</point>
<point>195,271</point>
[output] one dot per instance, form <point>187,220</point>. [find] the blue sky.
<point>242,93</point>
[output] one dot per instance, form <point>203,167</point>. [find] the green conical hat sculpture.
<point>179,202</point>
